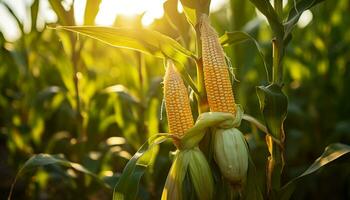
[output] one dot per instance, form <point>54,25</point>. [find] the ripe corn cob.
<point>216,73</point>
<point>177,103</point>
<point>230,149</point>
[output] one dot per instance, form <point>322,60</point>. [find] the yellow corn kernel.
<point>216,73</point>
<point>177,103</point>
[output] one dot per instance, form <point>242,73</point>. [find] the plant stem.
<point>141,126</point>
<point>202,97</point>
<point>278,5</point>
<point>277,53</point>
<point>275,163</point>
<point>75,62</point>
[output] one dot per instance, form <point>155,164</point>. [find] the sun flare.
<point>109,9</point>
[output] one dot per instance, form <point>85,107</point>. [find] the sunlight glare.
<point>305,19</point>
<point>109,9</point>
<point>152,9</point>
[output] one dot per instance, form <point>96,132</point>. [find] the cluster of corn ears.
<point>231,152</point>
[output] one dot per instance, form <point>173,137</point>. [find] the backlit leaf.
<point>143,40</point>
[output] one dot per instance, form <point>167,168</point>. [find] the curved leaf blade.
<point>128,184</point>
<point>40,160</point>
<point>194,8</point>
<point>139,39</point>
<point>331,153</point>
<point>295,13</point>
<point>265,7</point>
<point>273,106</point>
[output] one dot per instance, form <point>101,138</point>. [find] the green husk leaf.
<point>201,177</point>
<point>211,119</point>
<point>173,185</point>
<point>204,121</point>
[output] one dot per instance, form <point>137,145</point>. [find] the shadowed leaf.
<point>128,184</point>
<point>273,105</point>
<point>331,153</point>
<point>40,160</point>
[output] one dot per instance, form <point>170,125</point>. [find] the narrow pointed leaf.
<point>194,9</point>
<point>235,37</point>
<point>128,184</point>
<point>331,153</point>
<point>40,160</point>
<point>295,13</point>
<point>265,7</point>
<point>139,39</point>
<point>91,10</point>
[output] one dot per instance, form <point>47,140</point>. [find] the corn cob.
<point>216,73</point>
<point>177,103</point>
<point>230,149</point>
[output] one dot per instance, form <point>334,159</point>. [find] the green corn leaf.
<point>40,160</point>
<point>295,13</point>
<point>265,7</point>
<point>128,184</point>
<point>273,105</point>
<point>139,39</point>
<point>194,9</point>
<point>235,37</point>
<point>331,153</point>
<point>34,8</point>
<point>177,20</point>
<point>91,10</point>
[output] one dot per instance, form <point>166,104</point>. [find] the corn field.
<point>174,99</point>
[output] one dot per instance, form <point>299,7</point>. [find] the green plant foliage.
<point>127,186</point>
<point>194,10</point>
<point>46,159</point>
<point>295,13</point>
<point>273,105</point>
<point>75,112</point>
<point>146,41</point>
<point>331,153</point>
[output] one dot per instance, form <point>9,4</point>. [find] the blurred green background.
<point>62,93</point>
